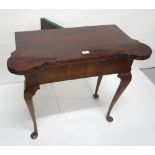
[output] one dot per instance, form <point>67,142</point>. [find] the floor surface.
<point>150,73</point>
<point>67,114</point>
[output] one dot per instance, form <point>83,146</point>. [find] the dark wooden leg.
<point>28,94</point>
<point>97,86</point>
<point>125,80</point>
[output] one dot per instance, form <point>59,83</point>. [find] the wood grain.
<point>37,49</point>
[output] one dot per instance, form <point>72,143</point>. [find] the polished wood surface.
<point>29,92</point>
<point>97,86</point>
<point>55,54</point>
<point>125,80</point>
<point>36,49</point>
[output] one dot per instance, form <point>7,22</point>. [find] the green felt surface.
<point>52,23</point>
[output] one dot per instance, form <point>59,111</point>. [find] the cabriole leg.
<point>29,91</point>
<point>97,86</point>
<point>125,80</point>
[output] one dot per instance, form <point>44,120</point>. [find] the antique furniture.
<point>55,54</point>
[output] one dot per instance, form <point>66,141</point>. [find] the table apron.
<point>77,70</point>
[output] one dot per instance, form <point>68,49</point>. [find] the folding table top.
<point>57,46</point>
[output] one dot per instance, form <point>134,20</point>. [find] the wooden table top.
<point>57,46</point>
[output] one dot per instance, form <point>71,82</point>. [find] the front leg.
<point>29,91</point>
<point>125,80</point>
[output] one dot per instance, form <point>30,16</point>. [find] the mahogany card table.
<point>55,54</point>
